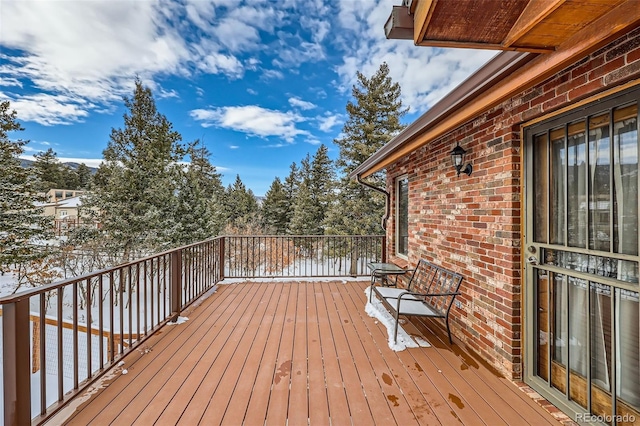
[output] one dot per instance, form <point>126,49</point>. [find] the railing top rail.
<point>59,284</point>
<point>304,236</point>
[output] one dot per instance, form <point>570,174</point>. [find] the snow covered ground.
<point>376,310</point>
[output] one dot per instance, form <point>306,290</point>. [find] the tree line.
<point>153,191</point>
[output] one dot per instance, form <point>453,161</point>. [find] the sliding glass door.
<point>581,253</point>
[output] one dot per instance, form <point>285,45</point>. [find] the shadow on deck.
<point>296,353</point>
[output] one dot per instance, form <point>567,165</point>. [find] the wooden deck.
<point>301,353</point>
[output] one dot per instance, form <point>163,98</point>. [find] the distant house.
<point>64,207</point>
<point>525,180</point>
<point>54,195</point>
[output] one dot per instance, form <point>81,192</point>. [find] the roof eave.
<point>476,84</point>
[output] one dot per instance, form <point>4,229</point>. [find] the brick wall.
<point>472,225</point>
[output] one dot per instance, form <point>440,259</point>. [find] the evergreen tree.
<point>53,174</point>
<point>84,176</point>
<point>275,208</point>
<point>22,224</point>
<point>322,184</point>
<point>303,209</point>
<point>317,180</point>
<point>199,199</point>
<point>305,212</point>
<point>374,119</point>
<point>135,189</point>
<point>291,184</point>
<point>48,170</point>
<point>240,203</point>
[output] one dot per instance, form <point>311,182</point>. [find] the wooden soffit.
<point>524,25</point>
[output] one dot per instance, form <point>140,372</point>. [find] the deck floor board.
<point>302,353</point>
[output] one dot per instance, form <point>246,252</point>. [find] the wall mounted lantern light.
<point>457,157</point>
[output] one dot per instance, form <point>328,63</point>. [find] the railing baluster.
<point>59,298</point>
<point>112,329</point>
<point>100,322</point>
<point>75,335</point>
<point>43,354</point>
<point>88,305</point>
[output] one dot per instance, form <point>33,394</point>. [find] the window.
<point>63,213</point>
<point>402,216</point>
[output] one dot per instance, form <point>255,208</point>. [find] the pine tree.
<point>304,208</point>
<point>84,176</point>
<point>135,188</point>
<point>275,208</point>
<point>22,224</point>
<point>240,203</point>
<point>374,119</point>
<point>322,184</point>
<point>199,199</point>
<point>317,180</point>
<point>291,185</point>
<point>305,212</point>
<point>48,170</point>
<point>51,173</point>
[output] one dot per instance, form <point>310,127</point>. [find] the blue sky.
<point>260,82</point>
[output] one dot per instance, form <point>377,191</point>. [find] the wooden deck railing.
<point>85,325</point>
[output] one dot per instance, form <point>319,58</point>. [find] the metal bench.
<point>430,293</point>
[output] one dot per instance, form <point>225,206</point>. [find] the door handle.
<point>532,260</point>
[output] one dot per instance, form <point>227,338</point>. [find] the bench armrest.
<point>413,293</point>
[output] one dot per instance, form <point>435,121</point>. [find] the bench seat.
<point>430,293</point>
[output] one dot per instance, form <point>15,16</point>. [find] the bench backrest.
<point>428,278</point>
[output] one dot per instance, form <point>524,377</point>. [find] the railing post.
<point>16,364</point>
<point>221,258</point>
<point>384,248</point>
<point>176,283</point>
<point>353,268</point>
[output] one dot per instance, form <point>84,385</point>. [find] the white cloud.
<point>299,103</point>
<point>80,57</point>
<point>50,110</point>
<point>10,82</point>
<point>253,120</point>
<point>424,74</point>
<point>328,121</point>
<point>233,147</point>
<point>90,162</point>
<point>272,74</point>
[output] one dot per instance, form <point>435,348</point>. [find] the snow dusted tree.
<point>322,184</point>
<point>52,173</point>
<point>275,208</point>
<point>317,180</point>
<point>134,192</point>
<point>84,176</point>
<point>241,205</point>
<point>200,193</point>
<point>374,119</point>
<point>22,224</point>
<point>291,184</point>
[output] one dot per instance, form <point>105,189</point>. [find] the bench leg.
<point>448,329</point>
<point>395,333</point>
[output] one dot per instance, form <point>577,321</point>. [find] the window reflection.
<point>599,187</point>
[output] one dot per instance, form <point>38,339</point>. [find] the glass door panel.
<point>582,274</point>
<point>599,183</point>
<point>576,185</point>
<point>558,178</point>
<point>541,176</point>
<point>625,181</point>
